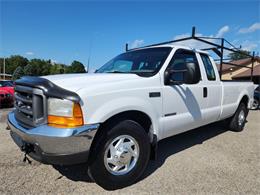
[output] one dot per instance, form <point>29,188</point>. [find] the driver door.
<point>183,104</point>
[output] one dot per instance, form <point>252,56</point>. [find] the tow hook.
<point>8,128</point>
<point>27,148</point>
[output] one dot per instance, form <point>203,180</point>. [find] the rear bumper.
<point>51,145</point>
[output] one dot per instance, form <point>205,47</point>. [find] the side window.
<point>179,61</point>
<point>208,67</point>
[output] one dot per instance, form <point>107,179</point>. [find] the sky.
<point>66,30</point>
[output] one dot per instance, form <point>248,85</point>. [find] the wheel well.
<point>245,100</point>
<point>137,116</point>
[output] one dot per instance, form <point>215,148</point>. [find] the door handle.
<point>205,92</point>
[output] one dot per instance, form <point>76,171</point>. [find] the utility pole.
<point>4,68</point>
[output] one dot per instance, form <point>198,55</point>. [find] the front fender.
<point>112,107</point>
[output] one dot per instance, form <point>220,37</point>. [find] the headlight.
<point>64,113</point>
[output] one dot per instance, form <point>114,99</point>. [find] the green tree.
<point>237,56</point>
<point>75,67</point>
<point>57,69</point>
<point>1,64</point>
<point>62,70</point>
<point>18,73</point>
<point>28,70</point>
<point>13,62</point>
<point>40,67</point>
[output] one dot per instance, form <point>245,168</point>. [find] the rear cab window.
<point>208,67</point>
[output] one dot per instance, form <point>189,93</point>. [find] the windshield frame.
<point>145,73</point>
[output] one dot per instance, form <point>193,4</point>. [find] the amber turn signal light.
<point>67,122</point>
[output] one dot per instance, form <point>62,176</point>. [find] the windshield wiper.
<point>116,71</point>
<point>139,73</point>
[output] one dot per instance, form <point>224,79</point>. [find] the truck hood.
<point>75,82</point>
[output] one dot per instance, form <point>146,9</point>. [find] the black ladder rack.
<point>218,49</point>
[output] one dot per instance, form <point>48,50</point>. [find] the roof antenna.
<point>126,47</point>
<point>90,51</point>
<point>88,64</point>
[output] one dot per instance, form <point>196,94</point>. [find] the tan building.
<point>246,75</point>
<point>230,72</point>
<point>5,76</point>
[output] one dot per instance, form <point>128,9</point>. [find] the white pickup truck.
<point>113,119</point>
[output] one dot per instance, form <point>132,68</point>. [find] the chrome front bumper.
<point>54,145</point>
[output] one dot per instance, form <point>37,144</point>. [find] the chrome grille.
<point>30,106</point>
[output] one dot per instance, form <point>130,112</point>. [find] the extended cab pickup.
<point>112,119</point>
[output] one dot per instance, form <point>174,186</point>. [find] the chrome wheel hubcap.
<point>121,155</point>
<point>241,118</point>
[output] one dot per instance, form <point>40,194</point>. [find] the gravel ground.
<point>208,160</point>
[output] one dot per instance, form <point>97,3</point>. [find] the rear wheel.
<point>255,104</point>
<point>121,156</point>
<point>238,120</point>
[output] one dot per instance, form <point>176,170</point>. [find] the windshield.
<point>144,62</point>
<point>6,84</point>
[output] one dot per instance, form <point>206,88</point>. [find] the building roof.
<point>245,61</point>
<point>8,75</point>
<point>247,73</point>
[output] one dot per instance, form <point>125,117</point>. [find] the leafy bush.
<point>20,66</point>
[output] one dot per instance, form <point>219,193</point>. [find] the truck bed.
<point>232,94</point>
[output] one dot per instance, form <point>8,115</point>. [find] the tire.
<point>255,105</point>
<point>102,171</point>
<point>238,120</point>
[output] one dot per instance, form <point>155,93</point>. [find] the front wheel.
<point>121,156</point>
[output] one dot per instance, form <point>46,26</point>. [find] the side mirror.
<point>189,75</point>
